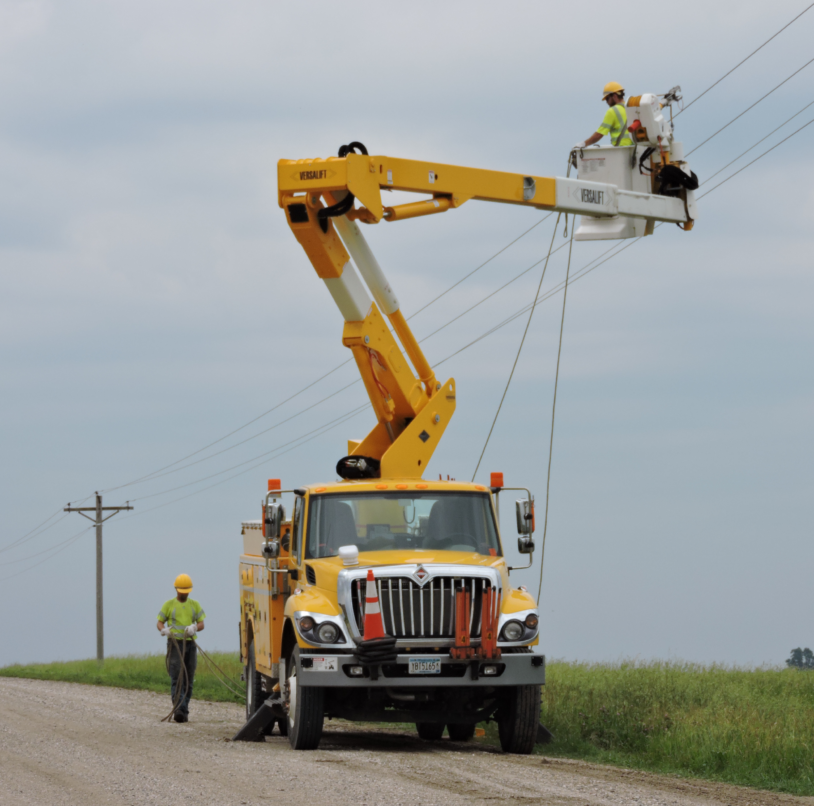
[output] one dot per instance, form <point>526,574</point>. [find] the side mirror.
<point>271,549</point>
<point>525,545</point>
<point>525,516</point>
<point>275,516</point>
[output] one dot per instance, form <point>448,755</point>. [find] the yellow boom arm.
<point>318,196</point>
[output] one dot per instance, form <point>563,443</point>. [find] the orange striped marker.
<point>374,627</point>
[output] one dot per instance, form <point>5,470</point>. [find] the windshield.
<point>384,521</point>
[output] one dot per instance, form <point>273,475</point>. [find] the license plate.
<point>324,665</point>
<point>425,666</point>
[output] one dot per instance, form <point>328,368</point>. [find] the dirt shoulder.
<point>63,743</point>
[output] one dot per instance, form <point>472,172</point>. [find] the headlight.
<point>327,632</point>
<point>513,631</point>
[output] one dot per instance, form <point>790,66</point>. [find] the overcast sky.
<point>154,300</point>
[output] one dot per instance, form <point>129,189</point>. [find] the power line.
<point>768,151</point>
<point>587,269</point>
<point>698,98</point>
<point>166,470</point>
<point>45,551</point>
<point>322,429</point>
<point>759,100</point>
<point>264,455</point>
<point>157,473</point>
<point>231,433</point>
<point>65,545</point>
<point>37,530</point>
<point>467,276</point>
<point>755,145</point>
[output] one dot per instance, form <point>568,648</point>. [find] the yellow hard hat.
<point>183,584</point>
<point>610,88</point>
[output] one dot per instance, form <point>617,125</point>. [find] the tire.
<point>430,731</point>
<point>518,718</point>
<point>461,733</point>
<point>306,709</point>
<point>254,683</point>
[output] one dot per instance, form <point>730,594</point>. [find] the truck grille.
<point>410,610</point>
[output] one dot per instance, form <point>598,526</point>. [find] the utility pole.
<point>98,520</point>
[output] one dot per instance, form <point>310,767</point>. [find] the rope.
<point>553,412</point>
<point>173,644</point>
<point>519,349</point>
<point>222,678</point>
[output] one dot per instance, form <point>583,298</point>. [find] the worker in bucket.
<point>615,121</point>
<point>180,620</point>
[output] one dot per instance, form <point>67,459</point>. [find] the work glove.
<point>165,630</point>
<point>578,146</point>
<point>191,630</point>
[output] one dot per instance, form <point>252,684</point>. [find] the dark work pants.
<point>189,650</point>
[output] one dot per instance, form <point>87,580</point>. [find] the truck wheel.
<point>461,733</point>
<point>306,709</point>
<point>430,731</point>
<point>517,719</point>
<point>254,689</point>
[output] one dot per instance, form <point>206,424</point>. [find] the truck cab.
<point>434,547</point>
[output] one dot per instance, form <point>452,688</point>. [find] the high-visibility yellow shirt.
<point>615,123</point>
<point>180,615</point>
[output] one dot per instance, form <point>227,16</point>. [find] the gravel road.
<point>62,743</point>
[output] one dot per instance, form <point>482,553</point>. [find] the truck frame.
<point>459,640</point>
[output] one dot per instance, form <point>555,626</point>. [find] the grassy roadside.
<point>748,727</point>
<point>145,672</point>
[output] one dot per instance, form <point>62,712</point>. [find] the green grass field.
<point>749,727</point>
<point>145,672</point>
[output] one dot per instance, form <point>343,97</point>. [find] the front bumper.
<point>512,670</point>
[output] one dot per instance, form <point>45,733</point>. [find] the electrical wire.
<point>492,330</point>
<point>467,276</point>
<point>166,469</point>
<point>768,151</point>
<point>321,429</point>
<point>64,545</point>
<point>44,551</point>
<point>35,532</point>
<point>587,269</point>
<point>520,348</point>
<point>743,154</point>
<point>155,473</point>
<point>167,472</point>
<point>698,98</point>
<point>266,454</point>
<point>752,106</point>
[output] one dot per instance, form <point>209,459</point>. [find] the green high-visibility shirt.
<point>180,615</point>
<point>615,123</point>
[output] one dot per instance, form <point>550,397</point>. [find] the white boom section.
<point>599,200</point>
<point>367,264</point>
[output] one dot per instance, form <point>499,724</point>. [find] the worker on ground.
<point>180,619</point>
<point>615,121</point>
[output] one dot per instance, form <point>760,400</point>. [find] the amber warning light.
<point>275,484</point>
<point>496,480</point>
